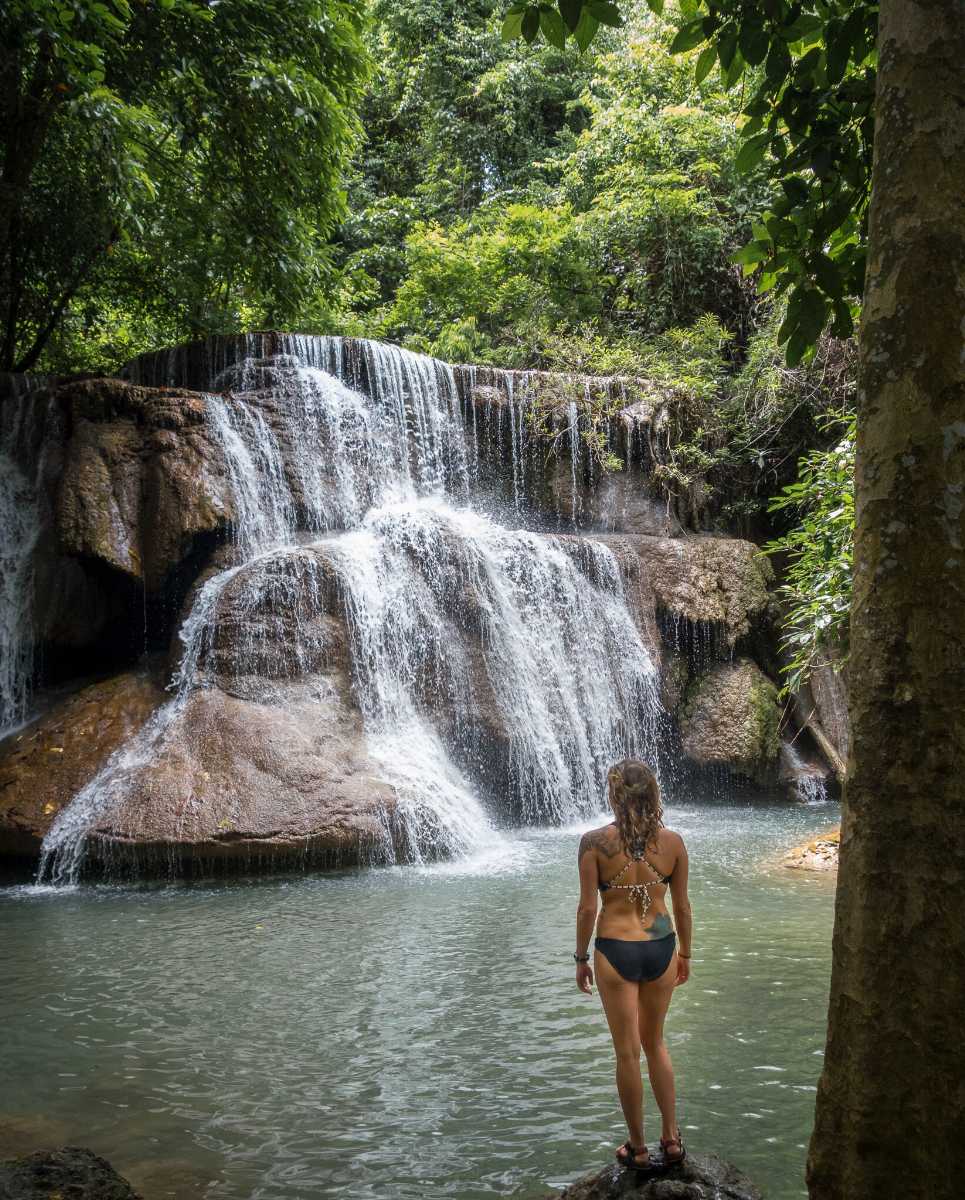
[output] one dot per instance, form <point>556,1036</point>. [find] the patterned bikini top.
<point>639,893</point>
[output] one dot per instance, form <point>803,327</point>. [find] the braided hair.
<point>635,796</point>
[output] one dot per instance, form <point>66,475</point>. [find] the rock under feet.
<point>698,1177</point>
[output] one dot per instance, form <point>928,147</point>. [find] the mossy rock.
<point>731,718</point>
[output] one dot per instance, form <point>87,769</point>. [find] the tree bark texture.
<point>890,1118</point>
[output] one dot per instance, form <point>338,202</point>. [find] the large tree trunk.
<point>891,1103</point>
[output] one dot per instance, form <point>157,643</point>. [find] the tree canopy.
<point>173,162</point>
<point>806,72</point>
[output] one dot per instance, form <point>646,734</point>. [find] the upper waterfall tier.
<point>531,438</point>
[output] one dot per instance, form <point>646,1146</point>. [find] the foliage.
<point>167,163</point>
<point>818,581</point>
<point>608,198</point>
<point>807,71</point>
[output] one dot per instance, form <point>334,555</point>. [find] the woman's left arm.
<point>586,910</point>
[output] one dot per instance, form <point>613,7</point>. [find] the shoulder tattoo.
<point>602,840</point>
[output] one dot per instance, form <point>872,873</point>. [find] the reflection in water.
<point>407,1032</point>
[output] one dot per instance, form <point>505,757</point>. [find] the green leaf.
<point>734,72</point>
<point>751,152</point>
<point>530,24</point>
<point>813,314</point>
<point>727,45</point>
<point>750,255</point>
<point>512,26</point>
<point>827,274</point>
<point>570,11</point>
<point>656,6</point>
<point>778,64</point>
<point>754,43</point>
<point>705,61</point>
<point>797,346</point>
<point>691,35</point>
<point>586,29</point>
<point>606,13</point>
<point>551,24</point>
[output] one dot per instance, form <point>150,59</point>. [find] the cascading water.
<point>373,491</point>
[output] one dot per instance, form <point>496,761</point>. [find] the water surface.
<point>406,1032</point>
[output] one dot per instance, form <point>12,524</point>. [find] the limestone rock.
<point>731,719</point>
<point>819,854</point>
<point>252,782</point>
<point>44,765</point>
<point>70,1173</point>
<point>720,581</point>
<point>142,477</point>
<point>697,1178</point>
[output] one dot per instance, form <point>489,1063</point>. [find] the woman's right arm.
<point>682,915</point>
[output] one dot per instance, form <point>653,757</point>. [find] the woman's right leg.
<point>654,1000</point>
<point>619,998</point>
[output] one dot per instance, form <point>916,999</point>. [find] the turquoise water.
<point>406,1032</point>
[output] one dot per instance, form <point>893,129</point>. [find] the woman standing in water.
<point>633,862</point>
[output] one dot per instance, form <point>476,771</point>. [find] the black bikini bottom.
<point>638,962</point>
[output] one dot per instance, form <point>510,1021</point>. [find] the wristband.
<point>679,955</point>
<point>581,958</point>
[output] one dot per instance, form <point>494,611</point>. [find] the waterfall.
<point>809,785</point>
<point>351,477</point>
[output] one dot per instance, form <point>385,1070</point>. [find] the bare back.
<point>634,890</point>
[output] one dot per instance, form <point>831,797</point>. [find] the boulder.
<point>142,478</point>
<point>731,719</point>
<point>697,1178</point>
<point>234,780</point>
<point>70,1173</point>
<point>709,581</point>
<point>44,765</point>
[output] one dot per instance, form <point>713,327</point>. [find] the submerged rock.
<point>47,763</point>
<point>731,719</point>
<point>701,1176</point>
<point>70,1173</point>
<point>819,854</point>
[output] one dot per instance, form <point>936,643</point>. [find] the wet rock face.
<point>46,764</point>
<point>731,719</point>
<point>699,1177</point>
<point>142,478</point>
<point>68,1173</point>
<point>240,782</point>
<point>705,580</point>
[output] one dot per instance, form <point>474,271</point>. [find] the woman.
<point>638,962</point>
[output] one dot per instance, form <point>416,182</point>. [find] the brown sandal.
<point>671,1160</point>
<point>627,1156</point>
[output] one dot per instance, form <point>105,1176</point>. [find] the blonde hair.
<point>635,796</point>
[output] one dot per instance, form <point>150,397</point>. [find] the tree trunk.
<point>890,1116</point>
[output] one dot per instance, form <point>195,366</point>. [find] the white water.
<point>809,785</point>
<point>375,489</point>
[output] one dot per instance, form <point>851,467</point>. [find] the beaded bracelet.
<point>581,958</point>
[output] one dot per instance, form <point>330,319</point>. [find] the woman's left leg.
<point>620,1003</point>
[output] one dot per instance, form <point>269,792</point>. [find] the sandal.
<point>671,1160</point>
<point>627,1156</point>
